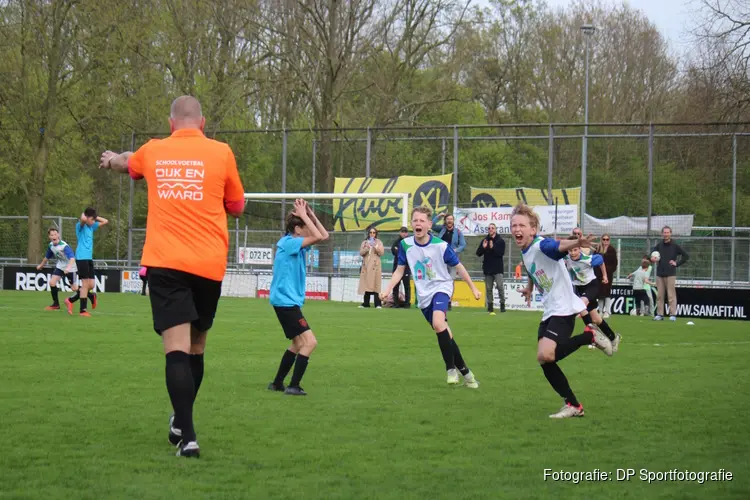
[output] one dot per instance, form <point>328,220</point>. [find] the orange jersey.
<point>190,181</point>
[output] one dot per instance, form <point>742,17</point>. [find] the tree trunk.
<point>36,200</point>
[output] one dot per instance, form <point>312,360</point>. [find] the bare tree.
<point>723,39</point>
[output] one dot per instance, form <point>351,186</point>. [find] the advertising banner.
<point>385,214</point>
<point>708,303</point>
<point>554,220</point>
<point>509,197</point>
<point>27,278</point>
<point>316,287</point>
<point>131,282</point>
<point>259,256</point>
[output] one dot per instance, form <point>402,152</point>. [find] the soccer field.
<point>85,409</point>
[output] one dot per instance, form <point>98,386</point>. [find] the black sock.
<point>84,303</point>
<point>196,366</point>
<point>460,364</point>
<point>587,319</point>
<point>287,361</point>
<point>181,388</point>
<point>559,383</point>
<point>91,296</point>
<point>73,298</point>
<point>55,300</point>
<point>446,348</point>
<point>607,330</point>
<point>564,349</point>
<point>300,365</point>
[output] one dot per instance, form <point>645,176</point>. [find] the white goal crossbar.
<point>337,196</point>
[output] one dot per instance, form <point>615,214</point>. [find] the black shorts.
<point>557,328</point>
<point>71,277</point>
<point>178,297</point>
<point>591,291</point>
<point>292,321</point>
<point>85,269</point>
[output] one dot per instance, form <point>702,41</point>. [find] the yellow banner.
<point>385,214</point>
<point>509,197</point>
<point>462,296</point>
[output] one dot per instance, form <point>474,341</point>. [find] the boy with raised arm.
<point>428,257</point>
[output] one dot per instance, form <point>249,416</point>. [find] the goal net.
<point>333,266</point>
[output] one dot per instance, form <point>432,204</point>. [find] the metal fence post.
<point>314,160</point>
<point>734,205</point>
<point>442,157</point>
<point>550,160</point>
<point>130,208</point>
<point>367,152</point>
<point>284,137</point>
<point>650,184</point>
<point>713,249</point>
<point>455,166</point>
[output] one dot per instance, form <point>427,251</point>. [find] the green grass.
<point>84,408</point>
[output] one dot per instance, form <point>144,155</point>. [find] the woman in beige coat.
<point>370,274</point>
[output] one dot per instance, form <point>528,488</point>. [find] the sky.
<point>674,18</point>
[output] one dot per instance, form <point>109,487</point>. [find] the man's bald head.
<point>186,113</point>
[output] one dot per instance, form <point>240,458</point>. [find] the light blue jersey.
<point>289,272</point>
<point>85,246</point>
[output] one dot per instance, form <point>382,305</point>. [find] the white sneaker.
<point>601,341</point>
<point>452,377</point>
<point>616,342</point>
<point>658,318</point>
<point>378,307</point>
<point>470,381</point>
<point>190,449</point>
<point>568,411</point>
<point>673,318</point>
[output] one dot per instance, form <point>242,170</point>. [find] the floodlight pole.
<point>588,31</point>
<point>338,196</point>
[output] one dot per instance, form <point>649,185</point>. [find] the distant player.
<point>581,269</point>
<point>641,287</point>
<point>428,257</point>
<point>542,258</point>
<point>303,229</point>
<point>64,268</point>
<point>85,229</point>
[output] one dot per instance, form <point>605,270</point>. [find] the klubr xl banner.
<point>385,214</point>
<point>508,197</point>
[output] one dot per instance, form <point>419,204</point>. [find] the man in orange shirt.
<point>192,182</point>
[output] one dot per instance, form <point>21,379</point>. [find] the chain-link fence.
<point>702,170</point>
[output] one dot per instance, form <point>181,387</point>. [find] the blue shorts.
<point>440,302</point>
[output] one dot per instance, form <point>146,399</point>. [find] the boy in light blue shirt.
<point>85,228</point>
<point>303,229</point>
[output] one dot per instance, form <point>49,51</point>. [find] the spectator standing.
<point>609,254</point>
<point>406,280</point>
<point>492,248</point>
<point>371,272</point>
<point>666,272</point>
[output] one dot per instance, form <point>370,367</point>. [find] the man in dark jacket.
<point>403,233</point>
<point>493,249</point>
<point>666,272</point>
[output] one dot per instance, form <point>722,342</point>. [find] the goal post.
<point>338,196</point>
